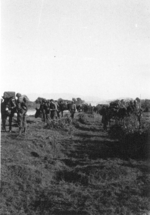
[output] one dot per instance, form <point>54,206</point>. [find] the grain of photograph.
<point>75,107</point>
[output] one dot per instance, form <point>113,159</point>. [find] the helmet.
<point>18,95</point>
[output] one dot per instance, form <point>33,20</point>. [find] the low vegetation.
<point>62,123</point>
<point>75,168</point>
<point>133,138</point>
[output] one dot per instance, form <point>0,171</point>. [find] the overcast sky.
<point>98,48</point>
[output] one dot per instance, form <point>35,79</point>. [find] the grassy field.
<point>71,168</point>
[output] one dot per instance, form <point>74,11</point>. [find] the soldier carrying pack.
<point>22,109</point>
<point>21,102</point>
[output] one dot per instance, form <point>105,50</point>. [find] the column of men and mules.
<point>12,103</point>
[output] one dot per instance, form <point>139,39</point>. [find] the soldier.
<point>3,113</point>
<point>12,109</point>
<point>105,112</point>
<point>8,108</point>
<point>47,110</point>
<point>21,112</point>
<point>58,109</point>
<point>42,109</point>
<point>73,109</point>
<point>138,110</point>
<point>137,103</point>
<point>53,109</point>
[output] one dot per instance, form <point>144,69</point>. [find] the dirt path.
<point>70,171</point>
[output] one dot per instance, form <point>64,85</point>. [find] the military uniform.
<point>105,117</point>
<point>21,112</point>
<point>43,110</point>
<point>53,109</point>
<point>12,111</point>
<point>3,114</point>
<point>73,110</point>
<point>8,108</point>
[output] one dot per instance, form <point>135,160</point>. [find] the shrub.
<point>133,139</point>
<point>63,123</point>
<point>83,118</point>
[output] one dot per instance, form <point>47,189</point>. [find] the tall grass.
<point>62,123</point>
<point>132,137</point>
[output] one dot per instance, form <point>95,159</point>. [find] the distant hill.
<point>68,96</point>
<point>32,105</point>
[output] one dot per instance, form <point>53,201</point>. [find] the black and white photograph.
<point>75,107</point>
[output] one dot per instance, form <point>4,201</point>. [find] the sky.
<point>98,48</point>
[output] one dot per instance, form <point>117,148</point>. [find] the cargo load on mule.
<point>9,94</point>
<point>23,98</point>
<point>39,100</point>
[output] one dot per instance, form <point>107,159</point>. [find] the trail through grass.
<point>73,169</point>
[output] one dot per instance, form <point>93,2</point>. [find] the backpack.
<point>9,94</point>
<point>23,98</point>
<point>53,106</point>
<point>22,102</point>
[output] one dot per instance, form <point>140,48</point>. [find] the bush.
<point>83,118</point>
<point>133,139</point>
<point>63,123</point>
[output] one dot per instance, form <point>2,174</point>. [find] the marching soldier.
<point>73,109</point>
<point>53,109</point>
<point>21,112</point>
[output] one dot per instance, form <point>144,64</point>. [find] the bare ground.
<point>76,169</point>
